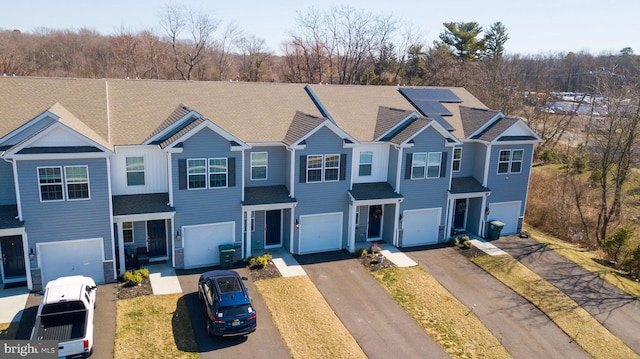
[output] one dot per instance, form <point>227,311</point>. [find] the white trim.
<point>215,128</point>
<point>441,130</point>
<point>510,162</point>
<point>170,178</point>
<point>144,217</point>
<point>61,184</point>
<point>292,173</point>
<point>30,123</point>
<point>487,163</point>
<point>25,256</point>
<point>59,156</point>
<point>113,239</point>
<point>269,207</point>
<point>208,173</point>
<point>426,165</point>
<point>191,114</point>
<point>453,159</point>
<point>16,183</point>
<point>399,169</point>
<point>331,126</point>
<point>412,115</point>
<point>66,181</point>
<point>266,166</point>
<point>127,171</point>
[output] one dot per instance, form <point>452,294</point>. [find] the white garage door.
<point>507,213</point>
<point>79,257</point>
<point>320,233</point>
<point>420,227</point>
<point>201,243</point>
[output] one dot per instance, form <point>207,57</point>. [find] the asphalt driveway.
<point>381,327</point>
<point>524,330</point>
<point>265,342</point>
<point>617,311</point>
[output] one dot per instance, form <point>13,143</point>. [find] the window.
<point>127,232</point>
<point>314,168</point>
<point>457,159</point>
<point>331,168</point>
<point>76,181</point>
<point>135,171</point>
<point>366,162</point>
<point>253,221</point>
<point>217,172</point>
<point>510,161</point>
<point>50,179</point>
<point>196,174</point>
<point>426,165</point>
<point>259,166</point>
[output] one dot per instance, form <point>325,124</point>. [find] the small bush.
<point>144,272</point>
<point>466,244</point>
<point>267,256</point>
<point>251,260</point>
<point>454,241</point>
<point>360,252</point>
<point>617,243</point>
<point>261,261</point>
<point>132,278</point>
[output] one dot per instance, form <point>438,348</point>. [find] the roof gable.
<point>507,129</point>
<point>196,126</point>
<point>475,120</point>
<point>405,135</point>
<point>303,126</point>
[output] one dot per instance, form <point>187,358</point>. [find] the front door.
<point>157,238</point>
<point>12,257</point>
<point>460,213</point>
<point>273,236</point>
<point>375,221</point>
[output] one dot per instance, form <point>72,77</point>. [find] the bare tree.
<point>187,52</point>
<point>253,56</point>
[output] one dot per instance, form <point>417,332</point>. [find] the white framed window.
<point>331,168</point>
<point>127,232</point>
<point>366,163</point>
<point>426,165</point>
<point>457,159</point>
<point>196,173</point>
<point>135,171</point>
<point>218,172</point>
<point>77,180</point>
<point>510,161</point>
<point>253,221</point>
<point>314,168</point>
<point>259,165</point>
<point>50,182</point>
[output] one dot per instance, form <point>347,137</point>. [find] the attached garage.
<point>201,243</point>
<point>320,233</point>
<point>420,226</point>
<point>67,258</point>
<point>507,213</point>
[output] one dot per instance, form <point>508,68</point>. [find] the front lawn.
<point>306,322</point>
<point>585,330</point>
<point>154,326</point>
<point>449,322</point>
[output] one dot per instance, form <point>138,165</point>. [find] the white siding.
<point>380,165</point>
<point>155,170</point>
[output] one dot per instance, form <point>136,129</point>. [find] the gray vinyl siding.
<point>469,160</point>
<point>7,187</point>
<point>393,167</point>
<point>430,192</point>
<point>276,166</point>
<point>215,205</point>
<point>389,216</point>
<point>66,220</point>
<point>324,197</point>
<point>478,153</point>
<point>509,186</point>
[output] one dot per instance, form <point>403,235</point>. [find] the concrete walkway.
<point>12,302</point>
<point>163,279</point>
<point>487,247</point>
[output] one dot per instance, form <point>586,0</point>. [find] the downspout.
<point>242,164</point>
<point>398,168</point>
<point>170,178</point>
<point>292,172</point>
<point>487,162</point>
<point>113,240</point>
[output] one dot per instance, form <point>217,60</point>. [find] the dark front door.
<point>375,221</point>
<point>157,238</point>
<point>12,256</point>
<point>460,212</point>
<point>273,228</point>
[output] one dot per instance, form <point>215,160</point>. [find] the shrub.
<point>631,263</point>
<point>454,241</point>
<point>132,278</point>
<point>466,244</point>
<point>615,244</point>
<point>360,252</point>
<point>251,260</point>
<point>261,261</point>
<point>144,272</point>
<point>548,156</point>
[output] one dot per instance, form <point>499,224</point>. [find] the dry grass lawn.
<point>566,313</point>
<point>154,326</point>
<point>449,322</point>
<point>307,324</point>
<point>587,260</point>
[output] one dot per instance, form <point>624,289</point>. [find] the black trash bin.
<point>227,251</point>
<point>495,227</point>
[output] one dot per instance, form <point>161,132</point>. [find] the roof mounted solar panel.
<point>432,94</point>
<point>444,123</point>
<point>429,107</point>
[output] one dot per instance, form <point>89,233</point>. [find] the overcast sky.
<point>535,27</point>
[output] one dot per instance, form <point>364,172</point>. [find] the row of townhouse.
<point>92,169</point>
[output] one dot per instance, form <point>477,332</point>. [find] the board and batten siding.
<point>509,187</point>
<point>276,166</point>
<point>426,192</point>
<point>7,185</point>
<point>214,205</point>
<point>392,176</point>
<point>67,220</point>
<point>323,197</point>
<point>155,170</point>
<point>380,163</point>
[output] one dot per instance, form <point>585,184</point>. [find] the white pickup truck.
<point>66,315</point>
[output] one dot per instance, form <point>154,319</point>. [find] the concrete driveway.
<point>617,311</point>
<point>265,342</point>
<point>523,329</point>
<point>381,327</point>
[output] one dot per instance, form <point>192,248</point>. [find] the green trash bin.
<point>495,227</point>
<point>227,251</point>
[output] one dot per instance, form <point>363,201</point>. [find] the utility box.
<point>227,251</point>
<point>495,227</point>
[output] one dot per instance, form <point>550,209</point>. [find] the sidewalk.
<point>12,302</point>
<point>164,279</point>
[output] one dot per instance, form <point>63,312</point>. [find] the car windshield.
<point>233,312</point>
<point>228,284</point>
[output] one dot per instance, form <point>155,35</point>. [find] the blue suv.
<point>227,303</point>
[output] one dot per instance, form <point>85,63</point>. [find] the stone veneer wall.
<point>109,275</point>
<point>179,253</point>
